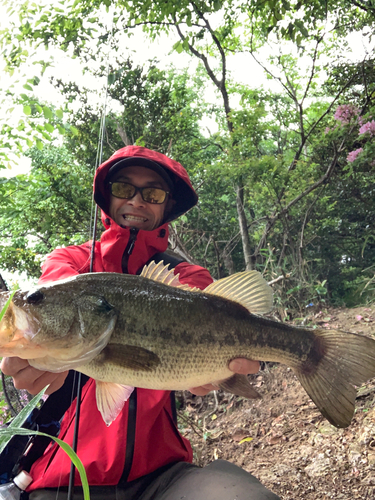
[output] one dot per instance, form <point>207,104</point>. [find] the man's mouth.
<point>134,218</point>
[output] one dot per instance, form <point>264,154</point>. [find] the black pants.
<point>220,480</point>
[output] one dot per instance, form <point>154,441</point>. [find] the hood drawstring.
<point>128,250</point>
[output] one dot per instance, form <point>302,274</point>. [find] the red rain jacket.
<point>144,436</point>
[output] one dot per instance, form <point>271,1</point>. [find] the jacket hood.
<point>183,193</point>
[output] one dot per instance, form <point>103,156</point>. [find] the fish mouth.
<point>16,333</point>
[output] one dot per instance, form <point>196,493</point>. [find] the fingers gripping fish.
<point>148,331</point>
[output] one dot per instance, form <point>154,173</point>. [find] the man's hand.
<point>29,378</point>
<point>239,365</point>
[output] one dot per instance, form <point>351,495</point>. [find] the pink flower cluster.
<point>368,127</point>
<point>345,113</point>
<point>348,113</point>
<point>352,156</point>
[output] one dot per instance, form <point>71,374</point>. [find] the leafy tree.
<point>47,208</point>
<point>279,177</point>
<point>159,109</point>
<point>51,206</point>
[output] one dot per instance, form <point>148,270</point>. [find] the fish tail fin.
<point>346,361</point>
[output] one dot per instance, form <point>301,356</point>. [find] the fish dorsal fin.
<point>161,273</point>
<point>248,288</point>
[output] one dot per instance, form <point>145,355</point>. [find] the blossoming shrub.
<point>368,128</point>
<point>348,115</point>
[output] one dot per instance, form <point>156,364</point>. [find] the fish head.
<point>58,322</point>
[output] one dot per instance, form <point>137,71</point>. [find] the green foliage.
<point>39,125</point>
<point>158,109</point>
<point>49,207</point>
<point>277,189</point>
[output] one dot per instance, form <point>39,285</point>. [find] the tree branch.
<point>271,222</point>
<point>319,40</point>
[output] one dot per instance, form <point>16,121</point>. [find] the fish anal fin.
<point>162,274</point>
<point>110,399</point>
<point>129,356</point>
<point>248,288</point>
<point>240,386</point>
<point>347,361</point>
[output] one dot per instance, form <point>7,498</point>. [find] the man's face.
<point>136,212</point>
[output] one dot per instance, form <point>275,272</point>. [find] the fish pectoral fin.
<point>248,288</point>
<point>240,386</point>
<point>129,356</point>
<point>110,399</point>
<point>162,274</point>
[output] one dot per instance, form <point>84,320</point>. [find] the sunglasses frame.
<point>138,190</point>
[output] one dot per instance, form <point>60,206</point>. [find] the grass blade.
<point>19,420</point>
<point>4,309</point>
<point>68,450</point>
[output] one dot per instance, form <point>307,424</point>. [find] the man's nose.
<point>137,200</point>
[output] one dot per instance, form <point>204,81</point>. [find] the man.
<point>141,455</point>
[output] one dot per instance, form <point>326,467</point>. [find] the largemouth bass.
<point>150,332</point>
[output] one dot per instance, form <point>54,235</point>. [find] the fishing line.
<point>93,230</point>
<point>99,160</point>
<point>77,380</point>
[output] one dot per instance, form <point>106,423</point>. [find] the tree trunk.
<point>243,227</point>
<point>227,260</point>
<point>177,247</point>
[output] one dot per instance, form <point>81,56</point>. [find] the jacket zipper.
<point>128,249</point>
<point>132,408</point>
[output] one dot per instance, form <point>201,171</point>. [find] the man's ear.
<point>169,206</point>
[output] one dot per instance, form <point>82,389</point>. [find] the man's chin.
<point>145,226</point>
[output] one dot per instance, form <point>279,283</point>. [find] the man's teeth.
<point>133,217</point>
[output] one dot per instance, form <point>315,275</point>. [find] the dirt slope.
<point>282,439</point>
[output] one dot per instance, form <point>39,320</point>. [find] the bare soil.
<point>282,439</point>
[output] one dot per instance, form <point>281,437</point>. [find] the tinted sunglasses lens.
<point>122,190</point>
<point>154,195</point>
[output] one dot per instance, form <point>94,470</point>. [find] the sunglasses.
<point>127,191</point>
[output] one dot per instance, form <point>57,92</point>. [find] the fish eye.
<point>102,305</point>
<point>34,297</point>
